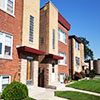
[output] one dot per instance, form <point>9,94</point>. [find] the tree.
<point>88,53</point>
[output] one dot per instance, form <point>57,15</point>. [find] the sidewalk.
<point>48,94</point>
<point>83,91</point>
<point>43,94</point>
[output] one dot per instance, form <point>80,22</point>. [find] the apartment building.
<point>76,54</point>
<point>63,48</point>
<point>54,42</point>
<point>10,33</point>
<point>28,50</point>
<point>19,41</point>
<point>49,44</point>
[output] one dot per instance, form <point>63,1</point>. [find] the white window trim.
<point>5,9</point>
<point>1,76</point>
<point>63,59</point>
<point>2,56</point>
<point>60,39</point>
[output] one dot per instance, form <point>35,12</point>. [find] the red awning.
<point>54,56</point>
<point>62,20</point>
<point>30,50</point>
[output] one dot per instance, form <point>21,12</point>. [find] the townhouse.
<point>28,50</point>
<point>76,55</point>
<point>63,48</point>
<point>10,36</point>
<point>32,43</point>
<point>54,45</point>
<point>19,41</point>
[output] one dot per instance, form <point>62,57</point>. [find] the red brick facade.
<point>63,48</point>
<point>11,25</point>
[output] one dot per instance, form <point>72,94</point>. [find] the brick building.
<point>76,54</point>
<point>19,41</point>
<point>10,36</point>
<point>63,48</point>
<point>50,23</point>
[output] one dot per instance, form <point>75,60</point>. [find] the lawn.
<point>71,95</point>
<point>97,76</point>
<point>28,98</point>
<point>89,85</point>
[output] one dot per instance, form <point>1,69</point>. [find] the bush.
<point>92,73</point>
<point>77,76</point>
<point>15,91</point>
<point>69,78</point>
<point>83,74</point>
<point>87,72</point>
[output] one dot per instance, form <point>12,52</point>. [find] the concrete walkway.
<point>43,94</point>
<point>48,94</point>
<point>83,91</point>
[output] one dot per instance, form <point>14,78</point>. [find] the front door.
<point>29,71</point>
<point>53,73</point>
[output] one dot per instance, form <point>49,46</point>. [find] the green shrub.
<point>92,73</point>
<point>69,78</point>
<point>77,76</point>
<point>83,74</point>
<point>15,91</point>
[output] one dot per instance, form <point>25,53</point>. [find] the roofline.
<point>63,21</point>
<point>76,38</point>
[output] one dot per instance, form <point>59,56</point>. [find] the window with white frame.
<point>64,61</point>
<point>77,45</point>
<point>31,28</point>
<point>62,36</point>
<point>6,42</point>
<point>7,6</point>
<point>4,81</point>
<point>77,61</point>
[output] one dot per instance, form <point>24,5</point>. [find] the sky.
<point>84,17</point>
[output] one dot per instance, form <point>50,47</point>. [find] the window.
<point>29,71</point>
<point>7,6</point>
<point>64,61</point>
<point>4,81</point>
<point>53,39</point>
<point>41,40</point>
<point>62,36</point>
<point>77,61</point>
<point>77,45</point>
<point>31,28</point>
<point>61,77</point>
<point>6,42</point>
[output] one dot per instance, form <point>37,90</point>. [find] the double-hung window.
<point>7,6</point>
<point>31,30</point>
<point>6,42</point>
<point>64,61</point>
<point>62,36</point>
<point>4,81</point>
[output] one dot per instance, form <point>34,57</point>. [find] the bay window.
<point>6,42</point>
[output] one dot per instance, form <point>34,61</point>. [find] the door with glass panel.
<point>29,71</point>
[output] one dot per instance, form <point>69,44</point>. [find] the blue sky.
<point>84,17</point>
